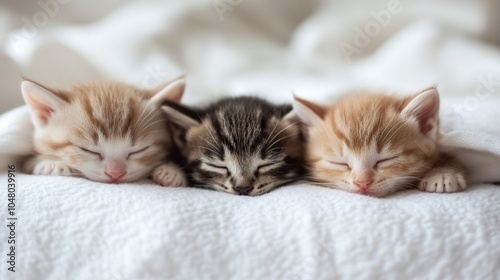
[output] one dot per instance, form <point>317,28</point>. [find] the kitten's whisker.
<point>143,117</point>
<point>398,112</point>
<point>208,148</point>
<point>283,129</point>
<point>140,116</point>
<point>277,134</point>
<point>147,118</point>
<point>282,138</point>
<point>210,132</point>
<point>143,135</point>
<point>322,184</point>
<point>315,180</point>
<point>386,127</point>
<point>153,131</point>
<point>269,136</point>
<point>154,122</point>
<point>150,124</point>
<point>388,123</point>
<point>396,131</point>
<point>406,177</point>
<point>273,149</point>
<point>406,121</point>
<point>391,132</point>
<point>211,144</point>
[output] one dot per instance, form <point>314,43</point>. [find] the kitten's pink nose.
<point>115,170</point>
<point>363,180</point>
<point>364,184</point>
<point>115,175</point>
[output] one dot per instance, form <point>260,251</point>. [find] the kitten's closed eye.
<point>90,152</point>
<point>340,164</point>
<point>385,160</point>
<point>266,167</point>
<point>377,164</point>
<point>137,152</point>
<point>221,167</point>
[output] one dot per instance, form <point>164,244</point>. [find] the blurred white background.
<point>269,48</point>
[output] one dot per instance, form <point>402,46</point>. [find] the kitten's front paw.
<point>49,167</point>
<point>446,182</point>
<point>169,175</point>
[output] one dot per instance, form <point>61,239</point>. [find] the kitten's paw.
<point>169,174</point>
<point>49,167</point>
<point>445,182</point>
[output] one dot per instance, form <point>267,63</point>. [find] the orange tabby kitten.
<point>104,131</point>
<point>376,144</point>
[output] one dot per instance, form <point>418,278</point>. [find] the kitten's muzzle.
<point>363,181</point>
<point>115,176</point>
<point>115,170</point>
<point>243,190</point>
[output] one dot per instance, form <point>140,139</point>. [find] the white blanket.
<point>72,228</point>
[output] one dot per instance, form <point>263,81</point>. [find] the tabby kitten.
<point>104,131</point>
<point>242,145</point>
<point>375,144</point>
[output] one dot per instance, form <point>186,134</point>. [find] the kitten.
<point>375,144</point>
<point>104,131</point>
<point>243,145</point>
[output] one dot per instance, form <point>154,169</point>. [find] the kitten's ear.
<point>286,112</point>
<point>308,112</point>
<point>42,102</point>
<point>291,116</point>
<point>172,91</point>
<point>181,115</point>
<point>425,108</point>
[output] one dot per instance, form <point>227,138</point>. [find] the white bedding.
<point>72,228</point>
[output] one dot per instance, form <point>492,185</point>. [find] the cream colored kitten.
<point>104,131</point>
<point>376,144</point>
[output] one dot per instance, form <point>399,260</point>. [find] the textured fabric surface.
<point>74,229</point>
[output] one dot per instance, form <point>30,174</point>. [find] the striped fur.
<point>375,144</point>
<point>240,145</point>
<point>94,129</point>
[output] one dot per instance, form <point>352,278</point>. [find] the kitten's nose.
<point>364,184</point>
<point>363,179</point>
<point>115,175</point>
<point>115,170</point>
<point>243,190</point>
